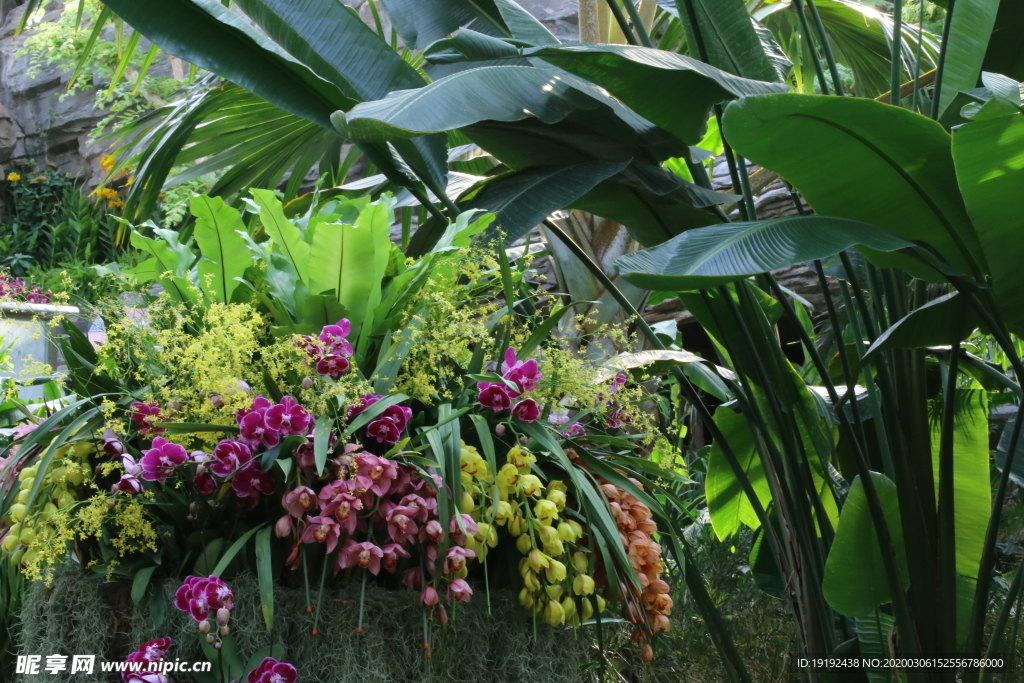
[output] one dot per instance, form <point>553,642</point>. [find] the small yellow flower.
<point>115,203</point>
<point>13,177</point>
<point>107,162</point>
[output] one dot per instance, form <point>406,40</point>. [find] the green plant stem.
<point>895,78</point>
<point>620,18</point>
<point>638,24</point>
<point>728,653</point>
<point>826,47</point>
<point>941,67</point>
<point>947,519</point>
<point>698,38</point>
<point>798,7</point>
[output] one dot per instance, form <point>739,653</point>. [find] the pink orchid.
<point>205,483</point>
<point>323,529</point>
<point>129,485</point>
<point>393,551</point>
<point>412,578</point>
<point>365,401</point>
<point>299,501</point>
<point>428,597</point>
<point>365,555</point>
<point>456,559</point>
<point>162,459</point>
<point>344,508</point>
<point>460,589</point>
<point>380,471</point>
<point>401,528</point>
<point>467,522</point>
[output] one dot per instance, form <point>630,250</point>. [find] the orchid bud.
<point>223,614</point>
<point>307,383</point>
<point>110,506</point>
<point>189,518</point>
<point>216,645</point>
<point>204,627</point>
<point>523,440</point>
<point>211,639</point>
<point>283,527</point>
<point>499,429</point>
<point>113,488</point>
<point>200,469</point>
<point>217,400</point>
<point>192,508</point>
<point>224,631</point>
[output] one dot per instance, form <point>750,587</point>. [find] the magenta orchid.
<point>526,410</point>
<point>288,417</point>
<point>148,652</point>
<point>524,373</point>
<point>331,350</point>
<point>497,397</point>
<point>251,481</point>
<point>160,461</point>
<point>200,596</point>
<point>272,671</point>
<point>145,416</point>
<point>230,456</point>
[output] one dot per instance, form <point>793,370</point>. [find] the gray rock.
<point>9,134</point>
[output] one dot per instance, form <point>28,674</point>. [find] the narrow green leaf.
<point>321,438</point>
<point>265,575</point>
<point>706,257</point>
<point>141,582</point>
<point>225,560</point>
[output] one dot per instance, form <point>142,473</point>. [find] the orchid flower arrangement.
<point>387,447</point>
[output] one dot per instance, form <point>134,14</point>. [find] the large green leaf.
<point>972,493</point>
<point>705,257</point>
<point>650,218</point>
<point>728,505</point>
<point>860,37</point>
<point>969,33</point>
<point>729,37</point>
<point>672,91</point>
<point>211,36</point>
<point>855,581</point>
<point>522,199</point>
<point>287,238</point>
<point>224,254</point>
<point>1005,53</point>
<point>351,260</point>
<point>336,44</point>
<point>989,159</point>
<point>499,93</point>
<point>863,160</point>
<point>944,321</point>
<point>421,22</point>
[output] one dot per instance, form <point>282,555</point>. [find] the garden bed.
<point>77,615</point>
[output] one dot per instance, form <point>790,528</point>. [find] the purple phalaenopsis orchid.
<point>526,410</point>
<point>161,460</point>
<point>497,397</point>
<point>151,651</point>
<point>199,596</point>
<point>524,373</point>
<point>272,671</point>
<point>288,417</point>
<point>229,456</point>
<point>251,481</point>
<point>145,416</point>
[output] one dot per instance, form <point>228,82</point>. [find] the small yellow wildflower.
<point>13,177</point>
